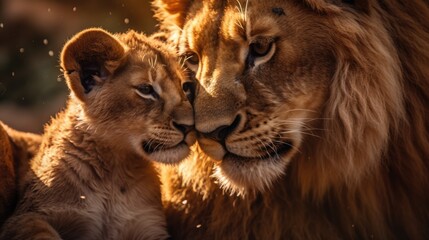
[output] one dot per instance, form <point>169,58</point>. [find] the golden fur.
<point>16,148</point>
<point>7,171</point>
<point>312,117</point>
<point>92,178</point>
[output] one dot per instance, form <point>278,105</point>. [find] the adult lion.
<point>313,116</point>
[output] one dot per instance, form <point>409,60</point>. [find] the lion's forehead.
<point>235,23</point>
<point>221,34</point>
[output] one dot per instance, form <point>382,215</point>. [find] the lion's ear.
<point>89,58</point>
<point>330,6</point>
<point>171,14</point>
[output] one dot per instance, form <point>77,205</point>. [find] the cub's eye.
<point>260,51</point>
<point>192,60</point>
<point>189,90</point>
<point>146,91</point>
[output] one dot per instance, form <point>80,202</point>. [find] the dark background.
<point>32,33</point>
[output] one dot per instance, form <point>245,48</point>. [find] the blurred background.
<point>32,33</point>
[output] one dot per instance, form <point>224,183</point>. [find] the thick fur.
<point>93,177</point>
<point>359,168</point>
<point>16,149</point>
<point>7,171</point>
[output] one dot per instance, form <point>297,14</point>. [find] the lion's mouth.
<point>272,153</point>
<point>221,152</point>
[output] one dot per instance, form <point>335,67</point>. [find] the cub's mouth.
<point>154,146</point>
<point>167,152</point>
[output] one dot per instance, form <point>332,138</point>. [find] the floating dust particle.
<point>49,9</point>
<point>74,9</point>
<point>198,226</point>
<point>45,41</point>
<point>1,25</point>
<point>126,20</point>
<point>59,79</point>
<point>21,50</point>
<point>51,53</point>
<point>110,13</point>
<point>13,74</point>
<point>82,197</point>
<point>184,202</point>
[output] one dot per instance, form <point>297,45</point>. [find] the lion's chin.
<point>243,175</point>
<point>251,176</point>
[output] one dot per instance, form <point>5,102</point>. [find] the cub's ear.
<point>334,6</point>
<point>171,14</point>
<point>89,58</point>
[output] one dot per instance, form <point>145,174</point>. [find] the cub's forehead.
<point>149,67</point>
<point>141,73</point>
<point>140,44</point>
<point>149,58</point>
<point>134,40</point>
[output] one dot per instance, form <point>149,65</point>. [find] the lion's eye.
<point>147,91</point>
<point>260,51</point>
<point>192,60</point>
<point>189,90</point>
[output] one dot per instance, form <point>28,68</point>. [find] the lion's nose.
<point>185,129</point>
<point>220,133</point>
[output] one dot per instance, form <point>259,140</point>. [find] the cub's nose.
<point>185,129</point>
<point>182,117</point>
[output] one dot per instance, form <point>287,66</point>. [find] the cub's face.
<point>262,71</point>
<point>130,90</point>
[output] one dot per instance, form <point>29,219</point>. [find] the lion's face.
<point>263,70</point>
<point>133,101</point>
<point>310,84</point>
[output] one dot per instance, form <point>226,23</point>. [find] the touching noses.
<point>183,117</point>
<point>218,100</point>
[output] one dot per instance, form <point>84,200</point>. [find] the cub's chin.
<point>242,175</point>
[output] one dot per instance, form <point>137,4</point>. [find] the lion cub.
<point>92,178</point>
